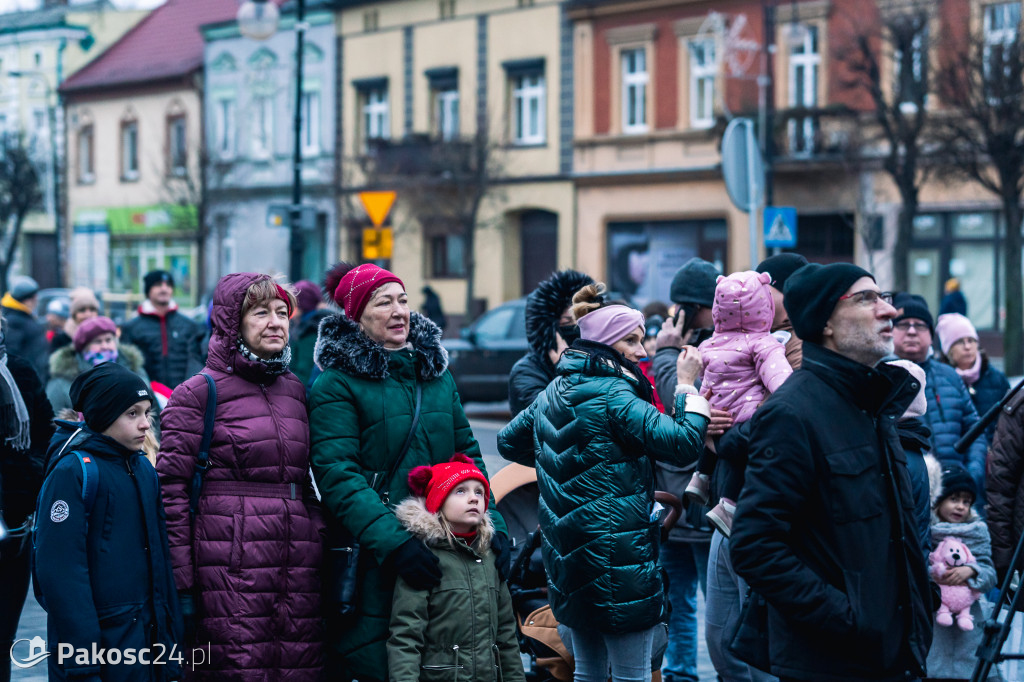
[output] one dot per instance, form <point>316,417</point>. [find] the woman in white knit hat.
<point>958,340</point>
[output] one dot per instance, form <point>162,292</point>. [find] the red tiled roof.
<point>166,44</point>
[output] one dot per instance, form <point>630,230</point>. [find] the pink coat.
<point>743,363</point>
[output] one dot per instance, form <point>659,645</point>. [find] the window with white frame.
<point>263,127</point>
<point>130,150</point>
<point>910,62</point>
<point>224,127</point>
<point>85,155</point>
<point>177,157</point>
<point>703,70</point>
<point>528,108</point>
<point>39,123</point>
<point>634,90</point>
<point>376,121</point>
<point>1001,24</point>
<point>446,113</point>
<point>804,67</point>
<point>311,122</point>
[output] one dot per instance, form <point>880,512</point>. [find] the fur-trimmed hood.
<point>545,305</point>
<point>65,363</point>
<point>413,514</point>
<point>342,345</point>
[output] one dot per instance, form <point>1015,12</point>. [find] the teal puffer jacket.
<point>592,437</point>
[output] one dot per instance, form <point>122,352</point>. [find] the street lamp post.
<point>51,107</point>
<point>258,19</point>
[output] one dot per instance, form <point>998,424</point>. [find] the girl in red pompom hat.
<point>464,628</point>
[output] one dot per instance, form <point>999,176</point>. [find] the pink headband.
<point>609,324</point>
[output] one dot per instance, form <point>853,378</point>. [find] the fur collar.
<point>65,363</point>
<point>342,345</point>
<point>545,305</point>
<point>417,520</point>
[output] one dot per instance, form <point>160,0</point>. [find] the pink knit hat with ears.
<point>435,482</point>
<point>920,404</point>
<point>952,327</point>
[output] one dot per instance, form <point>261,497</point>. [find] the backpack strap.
<point>203,458</point>
<point>90,480</point>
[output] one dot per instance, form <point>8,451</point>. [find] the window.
<point>177,157</point>
<point>911,66</point>
<point>446,8</point>
<point>85,155</point>
<point>371,20</point>
<point>130,150</point>
<point>263,127</point>
<point>528,108</point>
<point>37,58</point>
<point>634,91</point>
<point>446,112</point>
<point>376,123</point>
<point>224,128</point>
<point>39,122</point>
<point>448,256</point>
<point>1001,24</point>
<point>311,123</point>
<point>703,69</point>
<point>804,63</point>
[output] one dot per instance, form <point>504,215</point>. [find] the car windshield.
<point>494,325</point>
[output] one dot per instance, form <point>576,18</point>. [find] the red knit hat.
<point>434,483</point>
<point>358,284</point>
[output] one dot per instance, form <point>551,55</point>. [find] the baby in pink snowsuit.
<point>743,365</point>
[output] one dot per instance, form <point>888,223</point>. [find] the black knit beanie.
<point>780,267</point>
<point>154,277</point>
<point>956,479</point>
<point>695,282</point>
<point>912,306</point>
<point>812,292</point>
<point>104,392</point>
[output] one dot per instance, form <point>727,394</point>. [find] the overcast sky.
<point>11,5</point>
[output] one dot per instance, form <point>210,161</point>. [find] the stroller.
<point>545,656</point>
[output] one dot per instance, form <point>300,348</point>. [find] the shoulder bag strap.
<point>203,458</point>
<point>386,483</point>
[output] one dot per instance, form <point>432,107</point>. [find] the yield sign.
<point>377,205</point>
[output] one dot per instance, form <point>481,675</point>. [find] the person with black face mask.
<point>550,329</point>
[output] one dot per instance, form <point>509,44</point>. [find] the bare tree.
<point>443,184</point>
<point>895,100</point>
<point>20,193</point>
<point>981,136</point>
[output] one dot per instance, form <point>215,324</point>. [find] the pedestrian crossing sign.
<point>779,227</point>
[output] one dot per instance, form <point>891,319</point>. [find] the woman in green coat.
<point>376,358</point>
<point>593,435</point>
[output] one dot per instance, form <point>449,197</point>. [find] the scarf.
<point>972,373</point>
<point>14,423</point>
<point>275,366</point>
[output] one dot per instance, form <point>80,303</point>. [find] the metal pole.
<point>295,228</point>
<point>754,186</point>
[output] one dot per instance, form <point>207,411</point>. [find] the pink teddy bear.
<point>956,599</point>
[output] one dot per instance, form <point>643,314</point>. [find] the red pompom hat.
<point>355,288</point>
<point>435,482</point>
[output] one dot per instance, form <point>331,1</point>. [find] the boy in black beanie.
<point>102,564</point>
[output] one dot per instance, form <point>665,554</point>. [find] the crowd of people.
<point>292,485</point>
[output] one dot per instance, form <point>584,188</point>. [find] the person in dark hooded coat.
<point>549,330</point>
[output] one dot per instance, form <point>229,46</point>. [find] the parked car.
<point>481,359</point>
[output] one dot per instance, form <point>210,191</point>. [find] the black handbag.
<point>749,643</point>
<point>341,557</point>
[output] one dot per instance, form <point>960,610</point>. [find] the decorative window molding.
<point>623,35</point>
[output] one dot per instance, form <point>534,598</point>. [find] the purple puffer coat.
<point>253,559</point>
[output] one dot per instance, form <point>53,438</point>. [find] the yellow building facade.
<point>419,72</point>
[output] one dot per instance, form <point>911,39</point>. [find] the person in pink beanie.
<point>958,340</point>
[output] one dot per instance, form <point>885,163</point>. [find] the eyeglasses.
<point>869,297</point>
<point>907,325</point>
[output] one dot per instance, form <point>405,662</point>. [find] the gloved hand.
<point>188,614</point>
<point>502,548</point>
<point>416,564</point>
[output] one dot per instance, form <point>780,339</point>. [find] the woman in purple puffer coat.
<point>248,565</point>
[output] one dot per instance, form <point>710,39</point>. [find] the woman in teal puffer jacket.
<point>593,435</point>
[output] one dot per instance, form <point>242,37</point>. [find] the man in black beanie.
<point>165,336</point>
<point>101,543</point>
<point>825,526</point>
<point>951,412</point>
